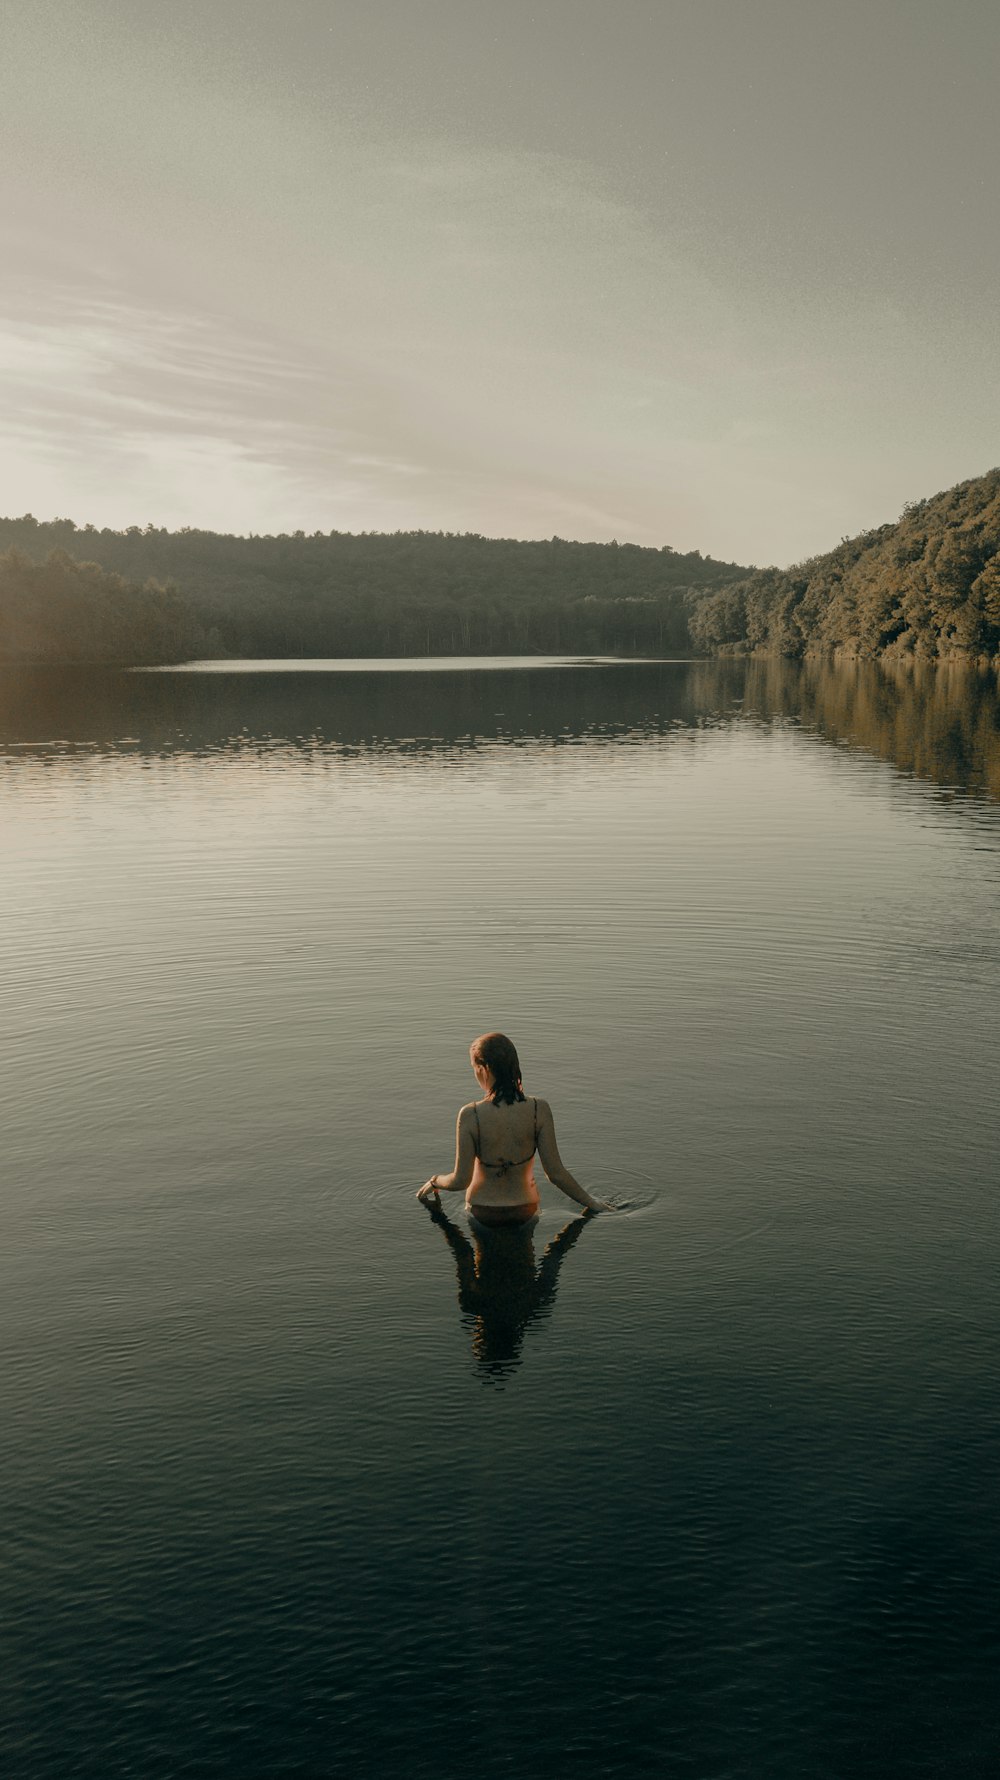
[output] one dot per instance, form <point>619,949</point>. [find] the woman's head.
<point>493,1051</point>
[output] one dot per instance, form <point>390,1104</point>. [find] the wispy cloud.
<point>120,413</point>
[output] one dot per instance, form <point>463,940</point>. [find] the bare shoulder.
<point>544,1109</point>
<point>467,1113</point>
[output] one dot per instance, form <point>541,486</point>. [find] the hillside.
<point>70,613</point>
<point>927,587</point>
<point>403,593</point>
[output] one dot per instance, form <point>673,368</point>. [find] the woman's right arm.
<point>554,1166</point>
<point>465,1160</point>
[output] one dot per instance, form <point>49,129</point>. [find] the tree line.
<point>927,588</point>
<point>71,594</point>
<point>69,612</point>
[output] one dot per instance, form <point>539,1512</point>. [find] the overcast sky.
<point>721,274</point>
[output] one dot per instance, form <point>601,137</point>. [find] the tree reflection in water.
<point>933,721</point>
<point>501,1291</point>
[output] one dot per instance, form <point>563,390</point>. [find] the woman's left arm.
<point>465,1160</point>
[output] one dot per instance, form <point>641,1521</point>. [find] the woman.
<point>495,1144</point>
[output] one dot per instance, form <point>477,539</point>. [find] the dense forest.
<point>160,595</point>
<point>927,588</point>
<point>64,611</point>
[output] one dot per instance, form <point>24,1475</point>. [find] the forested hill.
<point>927,587</point>
<point>64,612</point>
<point>401,593</point>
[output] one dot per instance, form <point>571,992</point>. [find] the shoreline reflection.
<point>936,722</point>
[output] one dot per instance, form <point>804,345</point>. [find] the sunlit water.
<point>289,1488</point>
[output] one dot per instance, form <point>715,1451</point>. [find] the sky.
<point>719,274</point>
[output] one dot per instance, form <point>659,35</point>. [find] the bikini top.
<point>503,1165</point>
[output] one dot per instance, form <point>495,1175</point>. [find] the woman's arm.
<point>465,1160</point>
<point>554,1166</point>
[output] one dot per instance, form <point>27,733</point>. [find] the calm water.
<point>289,1488</point>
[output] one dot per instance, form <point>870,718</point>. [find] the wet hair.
<point>495,1052</point>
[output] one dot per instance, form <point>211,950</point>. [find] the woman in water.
<point>496,1141</point>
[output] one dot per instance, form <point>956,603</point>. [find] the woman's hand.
<point>429,1191</point>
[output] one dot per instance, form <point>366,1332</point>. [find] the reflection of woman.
<point>496,1141</point>
<point>498,1285</point>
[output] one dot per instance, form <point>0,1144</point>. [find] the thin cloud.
<point>118,412</point>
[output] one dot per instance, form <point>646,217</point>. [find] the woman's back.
<point>507,1134</point>
<point>504,1137</point>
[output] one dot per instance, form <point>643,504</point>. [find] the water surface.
<point>295,1487</point>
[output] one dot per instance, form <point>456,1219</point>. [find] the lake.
<point>296,1483</point>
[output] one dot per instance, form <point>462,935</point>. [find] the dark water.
<point>297,1484</point>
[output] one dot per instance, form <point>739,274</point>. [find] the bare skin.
<point>505,1183</point>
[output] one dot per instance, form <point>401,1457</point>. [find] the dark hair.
<point>495,1052</point>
